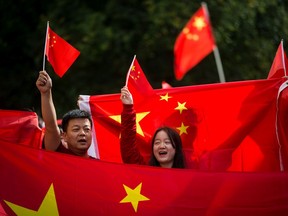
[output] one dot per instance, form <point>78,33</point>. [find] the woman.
<point>166,143</point>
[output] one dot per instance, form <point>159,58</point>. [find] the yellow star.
<point>181,107</point>
<point>133,196</point>
<point>194,37</point>
<point>139,117</point>
<point>116,118</point>
<point>165,97</point>
<point>189,35</point>
<point>183,129</point>
<point>48,206</point>
<point>199,23</point>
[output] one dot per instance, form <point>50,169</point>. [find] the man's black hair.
<point>74,114</point>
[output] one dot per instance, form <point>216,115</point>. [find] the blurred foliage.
<point>109,33</point>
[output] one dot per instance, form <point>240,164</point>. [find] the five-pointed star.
<point>133,196</point>
<point>199,23</point>
<point>165,97</point>
<point>194,37</point>
<point>189,35</point>
<point>183,129</point>
<point>139,117</point>
<point>181,107</point>
<point>48,206</point>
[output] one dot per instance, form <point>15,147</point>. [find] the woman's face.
<point>163,149</point>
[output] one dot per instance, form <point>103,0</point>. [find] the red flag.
<point>280,64</point>
<point>39,182</point>
<point>20,127</point>
<point>194,43</point>
<point>137,82</point>
<point>241,138</point>
<point>59,52</point>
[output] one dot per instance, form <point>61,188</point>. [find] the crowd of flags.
<point>194,43</point>
<point>251,138</point>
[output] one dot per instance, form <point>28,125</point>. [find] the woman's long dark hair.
<point>179,158</point>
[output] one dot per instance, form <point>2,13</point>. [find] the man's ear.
<point>64,136</point>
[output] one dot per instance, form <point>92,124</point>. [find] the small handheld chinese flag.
<point>137,82</point>
<point>280,63</point>
<point>59,52</point>
<point>194,43</point>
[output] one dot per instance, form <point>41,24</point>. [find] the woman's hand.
<point>126,96</point>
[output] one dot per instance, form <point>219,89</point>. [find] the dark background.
<point>109,33</point>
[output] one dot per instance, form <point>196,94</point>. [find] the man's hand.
<point>44,82</point>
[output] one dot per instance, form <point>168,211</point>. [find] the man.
<point>76,124</point>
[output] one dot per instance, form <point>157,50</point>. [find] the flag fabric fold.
<point>59,52</point>
<point>280,63</point>
<point>39,182</point>
<point>194,43</point>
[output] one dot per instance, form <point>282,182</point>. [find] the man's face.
<point>78,135</point>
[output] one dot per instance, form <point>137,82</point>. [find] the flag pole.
<point>219,64</point>
<point>128,73</point>
<point>215,50</point>
<point>45,45</point>
<point>283,59</point>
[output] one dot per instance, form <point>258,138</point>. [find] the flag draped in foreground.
<point>39,182</point>
<point>194,43</point>
<point>228,126</point>
<point>59,52</point>
<point>280,64</point>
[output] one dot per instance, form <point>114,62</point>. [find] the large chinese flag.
<point>59,52</point>
<point>20,127</point>
<point>228,126</point>
<point>39,182</point>
<point>279,66</point>
<point>194,43</point>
